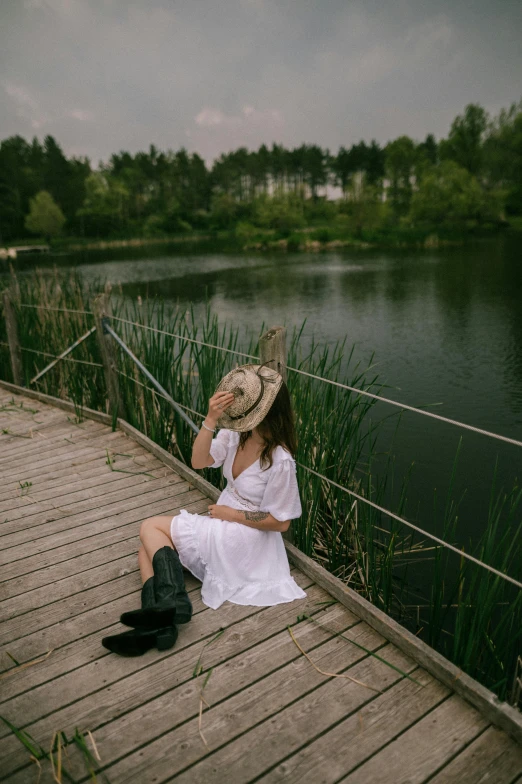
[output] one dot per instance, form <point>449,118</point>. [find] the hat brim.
<point>254,417</point>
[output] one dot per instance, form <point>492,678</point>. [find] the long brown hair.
<point>277,428</point>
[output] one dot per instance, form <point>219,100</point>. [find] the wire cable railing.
<point>158,389</point>
<point>340,385</point>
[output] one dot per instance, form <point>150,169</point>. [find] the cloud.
<point>122,74</point>
<point>249,128</point>
<point>82,115</point>
<point>27,107</point>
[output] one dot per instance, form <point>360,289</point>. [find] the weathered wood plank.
<point>74,655</point>
<point>39,431</point>
<point>58,520</point>
<point>117,528</point>
<point>120,597</point>
<point>421,750</point>
<point>31,601</point>
<point>48,436</point>
<point>52,575</point>
<point>25,522</point>
<point>493,758</point>
<point>361,734</point>
<point>54,477</point>
<point>264,710</point>
<point>238,698</point>
<point>84,487</point>
<point>122,695</point>
<point>134,678</point>
<point>501,714</point>
<point>58,453</point>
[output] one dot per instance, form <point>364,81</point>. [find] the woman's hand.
<point>263,521</point>
<point>221,512</point>
<point>217,404</point>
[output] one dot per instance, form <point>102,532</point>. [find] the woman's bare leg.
<point>154,534</point>
<point>145,565</point>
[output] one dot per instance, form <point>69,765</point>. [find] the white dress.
<point>233,561</point>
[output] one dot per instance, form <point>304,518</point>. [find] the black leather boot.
<point>172,601</point>
<point>136,642</point>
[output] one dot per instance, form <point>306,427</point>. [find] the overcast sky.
<point>212,75</point>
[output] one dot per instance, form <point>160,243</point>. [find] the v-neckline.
<point>234,479</point>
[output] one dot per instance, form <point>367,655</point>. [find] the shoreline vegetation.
<point>406,193</point>
<point>310,239</point>
<point>471,616</point>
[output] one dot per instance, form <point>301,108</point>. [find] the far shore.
<point>310,240</point>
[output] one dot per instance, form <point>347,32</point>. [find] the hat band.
<point>251,408</point>
<point>260,396</point>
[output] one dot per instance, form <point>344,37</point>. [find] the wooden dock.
<point>72,496</point>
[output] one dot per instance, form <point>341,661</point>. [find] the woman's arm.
<point>201,457</point>
<point>263,521</point>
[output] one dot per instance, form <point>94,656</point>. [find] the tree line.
<point>472,177</point>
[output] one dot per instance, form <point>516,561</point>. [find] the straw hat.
<point>255,388</point>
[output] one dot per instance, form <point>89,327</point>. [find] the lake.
<point>445,327</point>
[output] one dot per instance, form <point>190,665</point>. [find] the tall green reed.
<point>471,616</point>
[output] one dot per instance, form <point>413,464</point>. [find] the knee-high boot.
<point>172,601</point>
<point>136,642</point>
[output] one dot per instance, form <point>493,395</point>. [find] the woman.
<point>236,550</point>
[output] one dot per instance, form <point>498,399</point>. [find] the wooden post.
<point>12,337</point>
<point>272,345</point>
<point>102,309</point>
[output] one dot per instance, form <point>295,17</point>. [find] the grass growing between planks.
<point>83,741</point>
<point>471,616</point>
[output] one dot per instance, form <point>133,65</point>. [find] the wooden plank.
<point>277,659</point>
<point>83,486</point>
<point>493,758</point>
<point>38,674</point>
<point>59,452</point>
<point>56,612</point>
<point>57,518</point>
<point>119,527</point>
<point>54,477</point>
<point>420,751</point>
<point>78,653</point>
<point>499,713</point>
<point>136,435</point>
<point>120,695</point>
<point>361,734</point>
<point>43,426</point>
<point>66,405</point>
<point>97,521</point>
<point>258,624</point>
<point>65,625</point>
<point>49,435</point>
<point>33,516</point>
<point>52,575</point>
<point>245,721</point>
<point>67,587</point>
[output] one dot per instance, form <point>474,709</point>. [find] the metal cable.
<point>434,538</point>
<point>183,337</point>
<point>155,391</point>
<point>57,310</point>
<point>54,356</point>
<point>378,398</point>
<point>411,408</point>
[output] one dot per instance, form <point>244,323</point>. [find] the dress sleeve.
<point>219,448</point>
<point>281,496</point>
